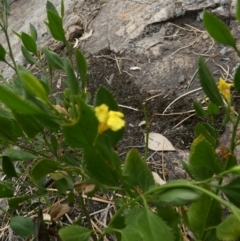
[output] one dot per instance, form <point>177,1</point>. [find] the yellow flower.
<point>224,88</point>
<point>108,119</point>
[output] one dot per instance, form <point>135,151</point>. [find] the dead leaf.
<point>46,217</point>
<point>135,68</point>
<point>85,187</point>
<point>158,142</point>
<point>76,43</point>
<point>142,123</point>
<point>86,35</point>
<point>158,179</point>
<point>58,210</point>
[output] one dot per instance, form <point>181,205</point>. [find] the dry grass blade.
<point>188,93</point>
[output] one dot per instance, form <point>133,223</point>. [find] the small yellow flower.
<point>224,88</point>
<point>108,119</point>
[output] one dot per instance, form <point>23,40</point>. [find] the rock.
<point>181,79</point>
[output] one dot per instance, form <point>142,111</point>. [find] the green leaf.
<point>6,113</point>
<point>229,229</point>
<point>5,191</point>
<point>208,83</point>
<point>82,67</point>
<point>143,224</point>
<point>62,8</point>
<point>53,59</point>
<point>54,144</point>
<point>236,79</point>
<point>175,197</point>
<point>29,124</point>
<point>203,161</point>
<point>107,171</point>
<point>32,85</point>
<point>14,203</point>
<point>74,233</point>
<point>56,26</point>
<point>28,56</point>
<point>44,167</point>
<point>51,7</point>
<point>238,11</point>
<point>72,81</point>
<point>82,132</point>
<point>15,102</point>
<point>104,96</point>
<point>218,30</point>
<point>22,226</point>
<point>19,155</point>
<point>29,43</point>
<point>172,219</point>
<point>8,167</point>
<point>199,110</point>
<point>213,109</point>
<point>71,159</point>
<point>202,215</point>
<point>62,186</point>
<point>33,32</point>
<point>2,53</point>
<point>138,173</point>
<point>9,130</point>
<point>6,130</point>
<point>231,190</point>
<point>208,132</point>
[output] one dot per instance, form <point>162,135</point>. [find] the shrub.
<point>34,130</point>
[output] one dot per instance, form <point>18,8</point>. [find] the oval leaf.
<point>2,53</point>
<point>74,233</point>
<point>8,167</point>
<point>55,26</point>
<point>44,167</point>
<point>208,83</point>
<point>236,79</point>
<point>218,30</point>
<point>5,191</point>
<point>22,226</point>
<point>229,229</point>
<point>29,43</point>
<point>28,56</point>
<point>53,59</point>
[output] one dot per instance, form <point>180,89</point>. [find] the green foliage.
<point>8,167</point>
<point>75,233</point>
<point>203,161</point>
<point>137,172</point>
<point>44,167</point>
<point>142,224</point>
<point>229,229</point>
<point>202,216</point>
<point>29,43</point>
<point>22,226</point>
<point>236,79</point>
<point>208,84</point>
<point>218,30</point>
<point>53,59</point>
<point>73,144</point>
<point>2,53</point>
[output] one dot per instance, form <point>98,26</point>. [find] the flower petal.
<point>102,113</point>
<point>115,121</point>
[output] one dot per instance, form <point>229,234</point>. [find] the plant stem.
<point>178,185</point>
<point>87,215</point>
